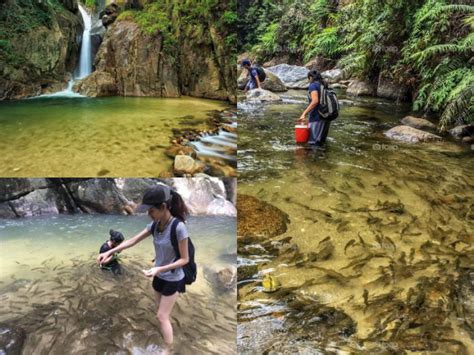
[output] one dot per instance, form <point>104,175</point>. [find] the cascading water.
<point>84,67</point>
<point>85,61</point>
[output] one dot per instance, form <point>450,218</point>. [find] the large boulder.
<point>333,76</point>
<point>462,131</point>
<point>252,211</point>
<point>99,196</point>
<point>389,89</point>
<point>97,84</point>
<point>186,165</point>
<point>14,188</point>
<point>419,123</point>
<point>319,63</point>
<point>36,203</point>
<point>261,95</point>
<point>110,14</point>
<point>411,135</point>
<point>293,76</point>
<point>134,63</point>
<point>205,196</point>
<point>360,88</point>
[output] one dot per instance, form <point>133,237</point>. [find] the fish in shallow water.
<point>270,283</point>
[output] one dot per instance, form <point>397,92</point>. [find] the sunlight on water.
<point>56,137</point>
<point>381,236</point>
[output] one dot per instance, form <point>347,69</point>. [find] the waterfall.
<point>85,61</point>
<point>84,67</point>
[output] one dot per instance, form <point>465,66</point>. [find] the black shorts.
<point>168,288</point>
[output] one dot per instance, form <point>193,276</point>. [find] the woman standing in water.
<point>166,208</point>
<point>318,127</point>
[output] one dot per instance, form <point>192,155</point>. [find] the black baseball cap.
<point>153,197</point>
<point>245,62</point>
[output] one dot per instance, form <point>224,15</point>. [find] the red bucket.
<point>301,133</point>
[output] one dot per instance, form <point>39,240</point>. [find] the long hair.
<point>177,206</point>
<point>315,76</point>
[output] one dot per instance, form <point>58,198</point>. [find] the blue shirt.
<point>252,83</point>
<point>314,114</point>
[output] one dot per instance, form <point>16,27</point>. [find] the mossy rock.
<point>258,220</point>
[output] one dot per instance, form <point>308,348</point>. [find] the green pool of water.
<point>56,137</point>
<point>51,286</point>
<point>402,200</point>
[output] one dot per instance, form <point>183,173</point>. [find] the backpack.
<point>261,74</point>
<point>328,104</point>
<point>190,269</point>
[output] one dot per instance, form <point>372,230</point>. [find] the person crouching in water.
<point>168,212</point>
<point>111,263</point>
<point>318,127</point>
<point>252,75</point>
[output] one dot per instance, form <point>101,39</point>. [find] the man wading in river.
<point>168,211</point>
<point>318,127</point>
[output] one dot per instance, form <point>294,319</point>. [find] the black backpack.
<point>328,104</point>
<point>190,269</point>
<point>261,74</point>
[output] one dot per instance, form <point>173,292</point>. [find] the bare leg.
<point>163,315</point>
<point>157,300</point>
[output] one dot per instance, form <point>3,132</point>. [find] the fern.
<point>461,108</point>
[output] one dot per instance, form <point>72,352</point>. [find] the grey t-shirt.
<point>164,251</point>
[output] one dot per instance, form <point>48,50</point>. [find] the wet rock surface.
<point>291,75</point>
<point>360,88</point>
<point>419,123</point>
<point>411,135</point>
<point>261,95</point>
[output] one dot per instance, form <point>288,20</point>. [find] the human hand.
<point>101,259</point>
<point>154,271</point>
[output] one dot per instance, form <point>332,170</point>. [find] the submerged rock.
<point>360,88</point>
<point>261,95</point>
<point>411,135</point>
<point>419,123</point>
<point>222,280</point>
<point>12,339</point>
<point>252,212</point>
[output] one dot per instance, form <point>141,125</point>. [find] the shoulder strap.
<point>153,227</point>
<point>174,237</point>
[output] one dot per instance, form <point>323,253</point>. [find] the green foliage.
<point>229,18</point>
<point>91,4</point>
<point>426,45</point>
<point>23,16</point>
<point>440,48</point>
<point>8,55</point>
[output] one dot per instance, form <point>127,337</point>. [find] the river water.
<point>76,137</point>
<point>52,288</point>
<point>380,255</point>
